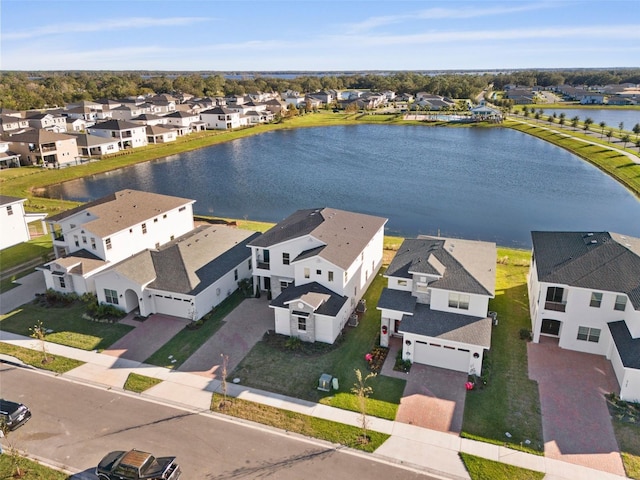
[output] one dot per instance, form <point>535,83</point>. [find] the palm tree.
<point>621,126</point>
<point>636,130</point>
<point>602,126</point>
<point>626,139</point>
<point>562,117</point>
<point>574,121</point>
<point>609,135</point>
<point>587,123</point>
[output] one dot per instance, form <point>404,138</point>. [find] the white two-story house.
<point>317,264</point>
<point>221,118</point>
<point>128,134</point>
<point>15,222</point>
<point>92,237</point>
<point>584,292</point>
<point>437,301</point>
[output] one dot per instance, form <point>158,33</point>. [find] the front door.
<point>550,327</point>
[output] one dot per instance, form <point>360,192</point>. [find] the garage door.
<point>438,356</point>
<point>172,306</point>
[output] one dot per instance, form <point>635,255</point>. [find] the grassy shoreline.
<point>30,182</point>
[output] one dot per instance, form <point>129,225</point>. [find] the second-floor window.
<point>108,243</point>
<point>307,272</point>
<point>93,243</point>
<point>596,300</point>
<point>9,210</point>
<point>285,259</point>
<point>76,240</point>
<point>459,300</point>
<point>235,274</point>
<point>555,299</point>
<point>330,276</point>
<point>621,303</point>
<point>144,228</point>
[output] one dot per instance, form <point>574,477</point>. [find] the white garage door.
<point>438,356</point>
<point>176,307</point>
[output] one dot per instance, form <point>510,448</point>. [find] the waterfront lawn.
<point>35,358</point>
<point>188,340</point>
<point>37,249</point>
<point>67,325</point>
<point>510,401</point>
<point>294,372</point>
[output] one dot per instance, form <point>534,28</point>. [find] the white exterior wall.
<point>282,321</point>
<point>316,264</point>
<point>114,281</point>
<point>213,295</point>
<point>478,304</point>
<point>219,121</point>
<point>394,283</point>
<point>408,351</point>
<point>328,328</point>
<point>14,227</point>
<point>138,135</point>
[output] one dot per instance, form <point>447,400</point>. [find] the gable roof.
<point>7,200</point>
<point>39,137</point>
<point>123,209</point>
<point>344,234</point>
<point>115,125</point>
<point>595,260</point>
<point>192,262</point>
<point>462,265</point>
<point>318,297</point>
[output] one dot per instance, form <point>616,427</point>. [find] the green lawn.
<point>69,328</point>
<point>187,341</point>
<point>628,437</point>
<point>139,383</point>
<point>510,401</point>
<point>14,466</point>
<point>38,248</point>
<point>483,469</point>
<point>35,358</point>
<point>298,423</point>
<point>270,367</point>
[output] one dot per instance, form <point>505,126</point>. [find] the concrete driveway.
<point>433,397</point>
<point>25,292</point>
<point>575,420</point>
<point>243,328</point>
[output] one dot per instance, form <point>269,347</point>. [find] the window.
<point>589,334</point>
<point>76,240</point>
<point>235,274</point>
<point>249,264</point>
<point>302,324</point>
<point>164,216</point>
<point>84,239</point>
<point>108,243</point>
<point>459,300</point>
<point>182,209</point>
<point>285,259</point>
<point>346,277</point>
<point>596,299</point>
<point>318,272</point>
<point>402,283</point>
<point>111,296</point>
<point>554,294</point>
<point>62,282</point>
<point>621,303</point>
<point>330,276</point>
<point>93,243</point>
<point>155,220</point>
<point>144,228</point>
<point>284,284</point>
<point>9,210</point>
<point>307,272</point>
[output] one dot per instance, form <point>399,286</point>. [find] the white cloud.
<point>104,26</point>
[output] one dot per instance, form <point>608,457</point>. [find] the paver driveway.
<point>575,420</point>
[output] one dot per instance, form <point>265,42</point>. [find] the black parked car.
<point>13,414</point>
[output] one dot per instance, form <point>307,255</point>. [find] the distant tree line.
<point>31,90</point>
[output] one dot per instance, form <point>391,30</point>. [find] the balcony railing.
<point>58,238</point>
<point>263,265</point>
<point>555,306</point>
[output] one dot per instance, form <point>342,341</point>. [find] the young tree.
<point>574,121</point>
<point>636,130</point>
<point>39,333</point>
<point>587,123</point>
<point>626,139</point>
<point>562,119</point>
<point>609,135</point>
<point>223,380</point>
<point>620,126</point>
<point>602,127</point>
<point>362,392</point>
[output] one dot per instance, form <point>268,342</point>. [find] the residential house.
<point>221,118</point>
<point>437,301</point>
<point>160,134</point>
<point>128,111</point>
<point>128,134</point>
<point>484,112</point>
<point>75,125</point>
<point>188,120</point>
<point>47,121</point>
<point>92,237</point>
<point>42,147</point>
<point>88,114</point>
<point>15,222</point>
<point>11,124</point>
<point>584,294</point>
<point>149,119</point>
<point>317,264</point>
<point>185,277</point>
<point>96,146</point>
<point>8,159</point>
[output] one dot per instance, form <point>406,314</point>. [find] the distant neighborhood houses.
<point>623,94</point>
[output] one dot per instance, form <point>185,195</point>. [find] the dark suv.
<point>13,414</point>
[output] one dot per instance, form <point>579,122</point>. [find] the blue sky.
<point>317,36</point>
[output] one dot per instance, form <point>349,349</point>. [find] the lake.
<point>492,184</point>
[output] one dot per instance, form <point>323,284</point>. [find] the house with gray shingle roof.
<point>128,134</point>
<point>584,294</point>
<point>317,264</point>
<point>185,277</point>
<point>437,301</point>
<point>96,235</point>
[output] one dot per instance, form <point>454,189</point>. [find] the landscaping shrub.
<point>293,344</point>
<point>525,334</point>
<point>52,298</point>
<point>402,365</point>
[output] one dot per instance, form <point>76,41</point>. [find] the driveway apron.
<point>433,397</point>
<point>242,329</point>
<point>148,336</point>
<point>575,420</point>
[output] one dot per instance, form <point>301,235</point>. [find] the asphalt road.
<point>75,425</point>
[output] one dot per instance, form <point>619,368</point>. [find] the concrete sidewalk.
<point>428,450</point>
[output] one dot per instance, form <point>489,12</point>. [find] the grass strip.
<point>329,431</point>
<point>34,358</point>
<point>139,383</point>
<point>13,465</point>
<point>483,469</point>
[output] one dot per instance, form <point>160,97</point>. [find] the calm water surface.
<point>491,184</point>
